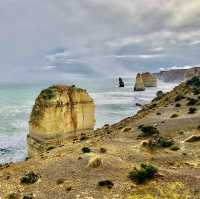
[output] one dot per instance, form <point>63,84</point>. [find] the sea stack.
<point>60,112</point>
<point>121,82</point>
<point>149,80</point>
<point>139,83</point>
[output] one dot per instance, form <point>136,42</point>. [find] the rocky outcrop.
<point>149,79</point>
<point>191,73</point>
<point>59,112</point>
<point>139,83</point>
<point>121,82</point>
<point>177,75</point>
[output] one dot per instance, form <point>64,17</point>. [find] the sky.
<point>42,40</point>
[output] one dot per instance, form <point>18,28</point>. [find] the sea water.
<point>112,105</point>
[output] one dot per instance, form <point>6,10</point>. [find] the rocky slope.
<point>165,133</point>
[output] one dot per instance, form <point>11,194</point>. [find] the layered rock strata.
<point>149,80</point>
<point>139,83</point>
<point>59,112</point>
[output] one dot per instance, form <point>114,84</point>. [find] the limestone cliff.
<point>191,73</point>
<point>59,112</point>
<point>149,79</point>
<point>177,75</point>
<point>139,83</point>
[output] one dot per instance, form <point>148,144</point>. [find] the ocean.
<point>112,105</point>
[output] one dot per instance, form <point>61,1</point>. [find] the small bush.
<point>159,95</point>
<point>149,130</point>
<point>86,150</point>
<point>106,183</point>
<point>174,115</point>
<point>159,142</point>
<point>103,150</point>
<point>177,105</point>
<point>174,148</point>
<point>192,110</point>
<point>195,84</point>
<point>179,97</point>
<point>192,101</point>
<point>60,181</point>
<point>146,172</point>
<point>29,178</point>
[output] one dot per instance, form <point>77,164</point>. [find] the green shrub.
<point>146,172</point>
<point>29,178</point>
<point>179,97</point>
<point>177,105</point>
<point>192,101</point>
<point>159,142</point>
<point>174,148</point>
<point>106,183</point>
<point>174,115</point>
<point>86,150</point>
<point>149,130</point>
<point>192,110</point>
<point>194,82</point>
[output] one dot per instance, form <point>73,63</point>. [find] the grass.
<point>171,190</point>
<point>145,173</point>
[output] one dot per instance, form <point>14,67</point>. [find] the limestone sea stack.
<point>121,82</point>
<point>149,79</point>
<point>60,112</point>
<point>139,83</point>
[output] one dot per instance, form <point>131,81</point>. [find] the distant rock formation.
<point>139,83</point>
<point>149,79</point>
<point>59,112</point>
<point>177,75</point>
<point>121,82</point>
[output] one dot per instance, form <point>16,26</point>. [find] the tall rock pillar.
<point>60,112</point>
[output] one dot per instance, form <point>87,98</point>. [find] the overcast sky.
<point>60,39</point>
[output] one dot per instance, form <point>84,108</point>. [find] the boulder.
<point>139,83</point>
<point>149,79</point>
<point>60,112</point>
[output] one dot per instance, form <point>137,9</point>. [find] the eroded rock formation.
<point>59,112</point>
<point>191,73</point>
<point>149,80</point>
<point>139,83</point>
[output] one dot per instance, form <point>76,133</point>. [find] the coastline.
<point>123,151</point>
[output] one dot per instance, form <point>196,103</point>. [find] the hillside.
<point>96,165</point>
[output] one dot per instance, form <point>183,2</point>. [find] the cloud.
<point>49,39</point>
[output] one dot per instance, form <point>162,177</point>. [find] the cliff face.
<point>59,112</point>
<point>139,83</point>
<point>149,80</point>
<point>191,73</point>
<point>177,75</point>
